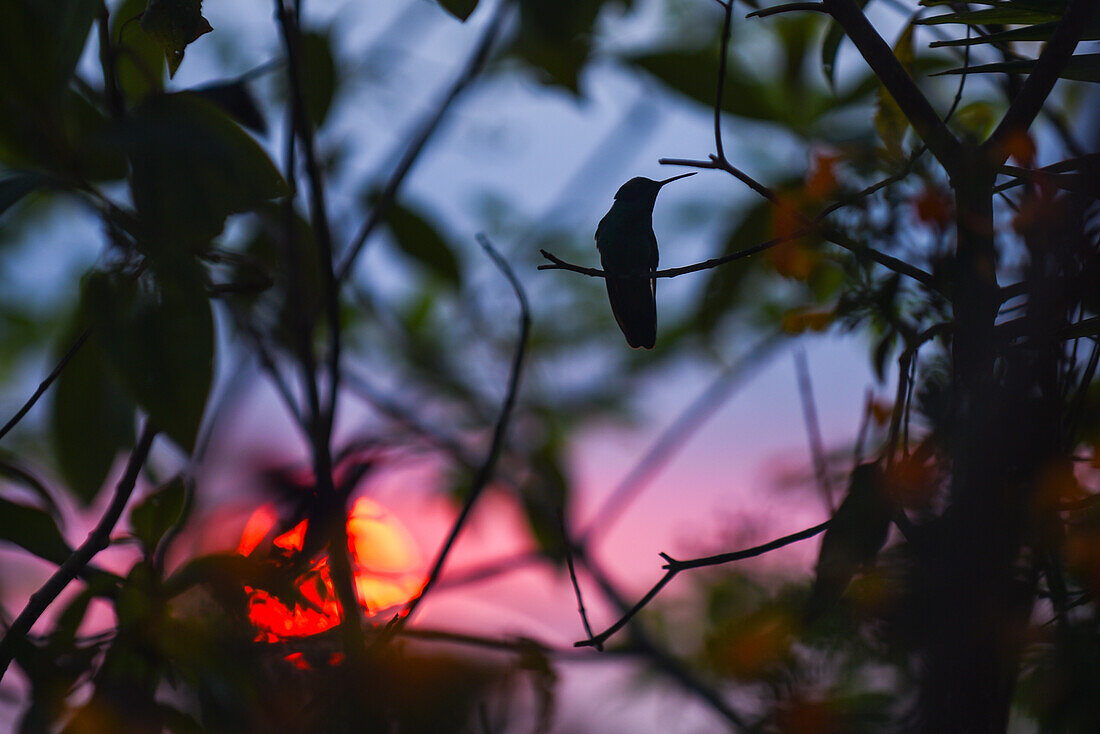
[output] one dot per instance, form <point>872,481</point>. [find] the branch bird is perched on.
<point>628,253</point>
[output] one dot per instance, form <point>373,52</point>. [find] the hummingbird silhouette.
<point>628,253</point>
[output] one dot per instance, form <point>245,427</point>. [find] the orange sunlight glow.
<point>384,556</point>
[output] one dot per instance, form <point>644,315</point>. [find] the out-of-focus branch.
<point>813,429</point>
<point>420,137</point>
<point>45,384</point>
<point>96,541</point>
<point>673,438</point>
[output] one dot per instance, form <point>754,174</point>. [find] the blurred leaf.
<point>420,240</point>
<point>174,24</point>
<point>192,167</point>
<point>10,470</point>
<point>882,352</point>
<point>831,45</point>
<point>33,530</point>
<point>40,44</point>
<point>235,98</point>
<point>158,512</point>
<point>544,497</point>
<point>460,9</point>
<point>555,36</point>
<point>91,420</point>
<point>890,122</point>
<point>139,59</point>
<point>1081,67</point>
<point>318,75</point>
<point>15,187</point>
<point>160,338</point>
<point>1008,13</point>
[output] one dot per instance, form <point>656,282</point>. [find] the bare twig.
<point>674,567</point>
<point>485,470</point>
<point>96,541</point>
<point>45,384</point>
<point>420,137</point>
<point>567,540</point>
<point>664,661</point>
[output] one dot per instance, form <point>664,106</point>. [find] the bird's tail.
<point>634,303</point>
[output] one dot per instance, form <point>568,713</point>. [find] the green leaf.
<point>14,188</point>
<point>1004,14</point>
<point>1081,67</point>
<point>33,530</point>
<point>1041,32</point>
<point>555,36</point>
<point>418,239</point>
<point>174,24</point>
<point>192,167</point>
<point>139,59</point>
<point>40,44</point>
<point>92,419</point>
<point>318,75</point>
<point>460,9</point>
<point>890,122</point>
<point>158,513</point>
<point>159,336</point>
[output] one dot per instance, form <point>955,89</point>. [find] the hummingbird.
<point>628,253</point>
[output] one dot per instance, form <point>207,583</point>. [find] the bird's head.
<point>641,189</point>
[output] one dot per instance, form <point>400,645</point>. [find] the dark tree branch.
<point>1052,61</point>
<point>45,384</point>
<point>485,470</point>
<point>322,414</point>
<point>897,81</point>
<point>674,567</point>
<point>96,541</point>
<point>420,137</point>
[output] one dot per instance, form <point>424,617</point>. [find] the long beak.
<point>674,178</point>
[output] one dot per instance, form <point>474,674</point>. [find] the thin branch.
<point>673,438</point>
<point>420,137</point>
<point>878,55</point>
<point>568,541</point>
<point>673,567</point>
<point>864,426</point>
<point>487,467</point>
<point>813,428</point>
<point>96,541</point>
<point>45,384</point>
<point>665,662</point>
<point>1040,82</point>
